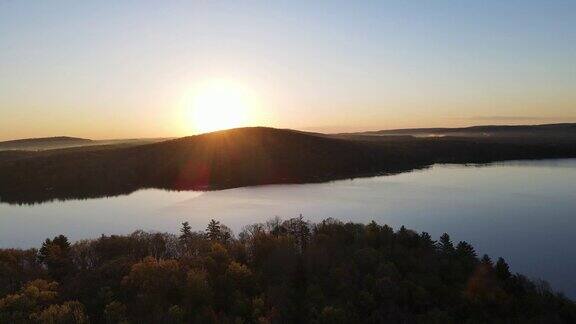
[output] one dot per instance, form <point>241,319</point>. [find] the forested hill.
<point>545,132</point>
<point>240,157</point>
<point>43,143</point>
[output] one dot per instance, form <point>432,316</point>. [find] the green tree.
<point>486,261</point>
<point>213,231</point>
<point>185,233</point>
<point>465,250</point>
<point>445,245</point>
<point>55,254</point>
<point>502,269</point>
<point>426,240</point>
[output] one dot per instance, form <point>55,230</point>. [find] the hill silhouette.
<point>43,143</point>
<point>240,157</point>
<point>65,142</point>
<point>541,133</point>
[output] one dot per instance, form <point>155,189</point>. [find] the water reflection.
<point>523,211</point>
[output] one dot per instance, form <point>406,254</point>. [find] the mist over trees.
<point>274,272</point>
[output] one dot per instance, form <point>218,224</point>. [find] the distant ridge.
<point>51,145</point>
<point>43,143</point>
<point>46,140</point>
<point>571,127</point>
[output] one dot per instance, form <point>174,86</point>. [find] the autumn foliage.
<point>277,272</point>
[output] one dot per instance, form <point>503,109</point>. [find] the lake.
<point>524,211</point>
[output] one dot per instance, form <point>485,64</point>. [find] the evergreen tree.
<point>43,252</point>
<point>486,260</point>
<point>467,257</point>
<point>213,231</point>
<point>59,241</point>
<point>185,233</point>
<point>62,242</point>
<point>425,236</point>
<point>445,245</point>
<point>465,250</point>
<point>55,254</point>
<point>502,269</point>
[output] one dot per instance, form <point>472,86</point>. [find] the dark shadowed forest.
<point>251,156</point>
<point>278,272</point>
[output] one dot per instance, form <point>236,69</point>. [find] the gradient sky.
<point>123,69</point>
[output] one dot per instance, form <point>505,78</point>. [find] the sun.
<point>220,105</point>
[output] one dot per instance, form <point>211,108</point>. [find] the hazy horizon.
<point>142,69</point>
<point>322,130</point>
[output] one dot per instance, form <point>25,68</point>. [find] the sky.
<point>127,69</point>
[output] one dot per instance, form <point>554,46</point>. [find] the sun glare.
<point>220,105</point>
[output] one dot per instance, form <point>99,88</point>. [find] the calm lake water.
<point>522,211</point>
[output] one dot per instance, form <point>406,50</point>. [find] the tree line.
<point>281,271</point>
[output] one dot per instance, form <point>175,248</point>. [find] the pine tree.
<point>465,250</point>
<point>185,233</point>
<point>62,242</point>
<point>502,269</point>
<point>486,260</point>
<point>43,252</point>
<point>55,254</point>
<point>426,237</point>
<point>445,245</point>
<point>213,231</point>
<point>467,257</point>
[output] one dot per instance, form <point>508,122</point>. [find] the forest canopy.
<point>274,272</point>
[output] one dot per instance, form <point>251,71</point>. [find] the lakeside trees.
<point>280,271</point>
